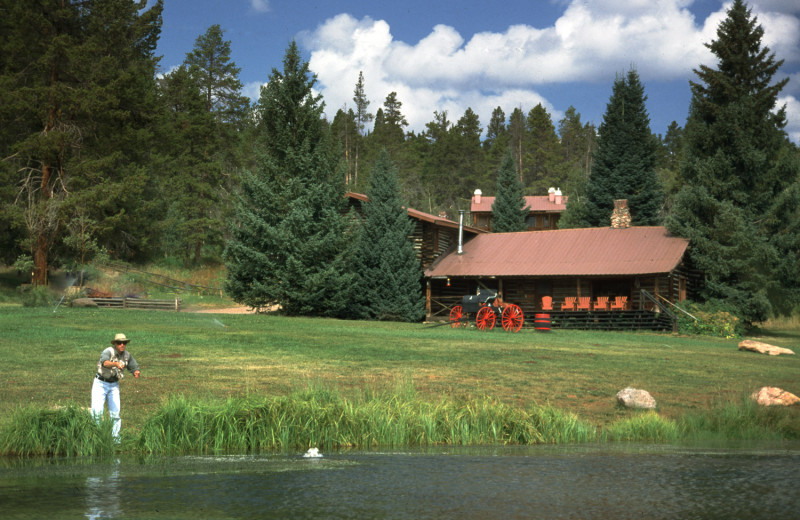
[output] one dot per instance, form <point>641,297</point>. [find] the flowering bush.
<point>712,320</point>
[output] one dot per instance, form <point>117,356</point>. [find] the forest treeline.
<point>104,153</point>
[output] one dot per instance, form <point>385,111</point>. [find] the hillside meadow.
<point>49,358</point>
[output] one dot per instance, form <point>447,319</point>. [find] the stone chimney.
<point>551,194</point>
<point>558,196</point>
<point>621,216</point>
<point>476,198</point>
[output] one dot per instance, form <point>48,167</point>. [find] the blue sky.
<point>450,55</point>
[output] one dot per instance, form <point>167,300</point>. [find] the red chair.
<point>619,303</point>
<point>601,304</point>
<point>547,303</point>
<point>584,303</point>
<point>569,303</point>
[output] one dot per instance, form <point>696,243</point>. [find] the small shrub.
<point>712,320</point>
<point>643,427</point>
<point>37,296</point>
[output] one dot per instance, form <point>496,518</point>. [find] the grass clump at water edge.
<point>63,431</point>
<point>321,417</point>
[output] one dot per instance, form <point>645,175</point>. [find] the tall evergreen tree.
<point>739,204</point>
<point>344,129</point>
<point>542,152</point>
<point>290,244</point>
<point>496,143</point>
<point>78,103</point>
<point>625,161</point>
<point>670,155</point>
<point>517,139</point>
<point>471,163</point>
<point>578,144</point>
<point>389,130</point>
<point>209,63</point>
<point>509,210</point>
<point>388,286</point>
<point>190,173</point>
<point>363,116</point>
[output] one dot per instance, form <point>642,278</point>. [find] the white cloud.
<point>792,116</point>
<point>261,6</point>
<point>590,42</point>
<point>253,89</point>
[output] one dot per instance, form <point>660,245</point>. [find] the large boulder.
<point>634,398</point>
<point>83,302</point>
<point>763,348</point>
<point>772,396</point>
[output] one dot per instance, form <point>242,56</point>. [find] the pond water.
<point>597,482</point>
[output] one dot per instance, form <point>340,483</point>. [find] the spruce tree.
<point>739,203</point>
<point>509,210</point>
<point>625,160</point>
<point>389,277</point>
<point>290,241</point>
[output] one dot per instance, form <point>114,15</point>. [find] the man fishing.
<point>105,388</point>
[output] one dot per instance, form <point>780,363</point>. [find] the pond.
<point>596,481</point>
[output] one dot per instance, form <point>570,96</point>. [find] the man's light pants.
<point>103,393</point>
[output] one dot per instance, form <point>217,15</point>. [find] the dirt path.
<point>241,309</point>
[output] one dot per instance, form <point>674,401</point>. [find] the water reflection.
<point>528,482</point>
<point>103,495</point>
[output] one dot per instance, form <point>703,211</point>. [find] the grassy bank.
<point>391,376</point>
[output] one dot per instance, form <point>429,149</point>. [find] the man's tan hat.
<point>120,338</point>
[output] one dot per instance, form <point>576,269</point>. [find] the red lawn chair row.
<point>584,303</point>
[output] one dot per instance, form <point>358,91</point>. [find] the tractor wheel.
<point>512,318</point>
<point>457,317</point>
<point>486,318</point>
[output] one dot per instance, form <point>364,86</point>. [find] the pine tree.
<point>509,210</point>
<point>578,144</point>
<point>78,102</point>
<point>625,160</point>
<point>344,130</point>
<point>209,63</point>
<point>388,269</point>
<point>517,139</point>
<point>290,243</point>
<point>190,175</point>
<point>496,144</point>
<point>542,152</point>
<point>739,206</point>
<point>469,152</point>
<point>363,116</point>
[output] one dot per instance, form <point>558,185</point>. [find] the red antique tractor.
<point>487,309</point>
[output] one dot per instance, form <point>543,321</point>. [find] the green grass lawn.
<point>49,357</point>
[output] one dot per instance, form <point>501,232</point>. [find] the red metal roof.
<point>534,202</point>
<point>421,215</point>
<point>566,252</point>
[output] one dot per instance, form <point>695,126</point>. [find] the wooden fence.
<point>139,303</point>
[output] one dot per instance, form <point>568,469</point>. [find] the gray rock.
<point>634,398</point>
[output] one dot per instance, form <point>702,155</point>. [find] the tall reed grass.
<point>742,419</point>
<point>321,417</point>
<point>66,431</point>
<point>643,427</point>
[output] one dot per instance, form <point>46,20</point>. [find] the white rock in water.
<point>312,453</point>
